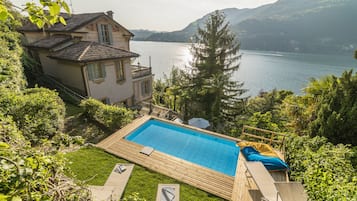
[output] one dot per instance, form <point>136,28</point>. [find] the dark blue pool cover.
<point>270,163</point>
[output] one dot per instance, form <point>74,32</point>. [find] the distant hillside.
<point>141,34</point>
<point>318,26</point>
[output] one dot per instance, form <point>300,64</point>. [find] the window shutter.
<point>90,71</point>
<point>122,69</point>
<point>110,30</point>
<point>142,88</point>
<point>102,67</point>
<point>100,33</point>
<point>117,69</point>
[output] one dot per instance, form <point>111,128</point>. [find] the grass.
<point>88,162</point>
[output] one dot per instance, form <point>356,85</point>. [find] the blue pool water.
<point>206,150</point>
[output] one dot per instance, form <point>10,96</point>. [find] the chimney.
<point>110,14</point>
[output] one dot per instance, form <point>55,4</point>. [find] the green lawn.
<point>87,162</point>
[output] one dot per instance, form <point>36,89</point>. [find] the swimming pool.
<point>197,147</point>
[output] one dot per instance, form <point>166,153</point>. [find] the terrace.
<point>238,187</point>
<point>138,71</point>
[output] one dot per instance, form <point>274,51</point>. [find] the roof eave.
<point>92,60</point>
<point>79,26</point>
<point>48,48</point>
<point>37,48</point>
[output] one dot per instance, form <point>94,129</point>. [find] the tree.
<point>336,114</point>
<point>329,109</point>
<point>173,91</point>
<point>263,111</point>
<point>215,59</point>
<point>43,15</point>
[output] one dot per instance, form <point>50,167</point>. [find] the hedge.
<point>111,116</point>
<point>38,112</point>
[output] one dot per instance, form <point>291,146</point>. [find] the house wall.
<point>138,96</point>
<point>120,40</point>
<point>71,75</point>
<point>66,72</point>
<point>109,88</point>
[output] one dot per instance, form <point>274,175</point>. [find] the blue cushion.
<point>270,163</point>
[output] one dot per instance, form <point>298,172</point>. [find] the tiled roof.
<point>74,21</point>
<point>50,42</point>
<point>86,51</point>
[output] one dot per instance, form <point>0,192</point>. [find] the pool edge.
<point>107,145</point>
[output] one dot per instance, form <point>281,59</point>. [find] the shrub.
<point>64,140</point>
<point>28,173</point>
<point>354,157</point>
<point>90,106</point>
<point>325,169</point>
<point>38,112</point>
<point>111,116</point>
<point>11,75</point>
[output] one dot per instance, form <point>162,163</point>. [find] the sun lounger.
<point>263,180</point>
<point>168,192</point>
<point>272,190</point>
<point>115,184</point>
<point>291,191</point>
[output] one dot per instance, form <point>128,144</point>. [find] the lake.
<point>259,70</point>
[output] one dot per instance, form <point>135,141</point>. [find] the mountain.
<point>318,26</point>
<point>141,34</point>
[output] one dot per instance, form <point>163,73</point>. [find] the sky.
<point>156,15</point>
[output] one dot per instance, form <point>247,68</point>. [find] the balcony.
<point>140,71</point>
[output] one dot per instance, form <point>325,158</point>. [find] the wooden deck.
<point>236,188</point>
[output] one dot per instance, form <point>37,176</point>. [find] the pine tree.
<point>215,59</point>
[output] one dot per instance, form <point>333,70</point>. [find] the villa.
<point>91,56</point>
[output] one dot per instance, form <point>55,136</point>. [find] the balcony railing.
<point>140,71</point>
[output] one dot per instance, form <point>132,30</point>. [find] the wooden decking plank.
<point>207,180</point>
<point>188,167</point>
<point>219,184</point>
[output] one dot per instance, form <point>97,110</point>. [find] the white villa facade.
<point>91,55</point>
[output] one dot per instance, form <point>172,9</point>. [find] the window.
<point>145,88</point>
<point>120,71</point>
<point>105,34</point>
<point>96,71</point>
